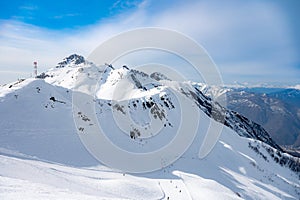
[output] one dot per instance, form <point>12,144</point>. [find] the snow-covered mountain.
<point>41,155</point>
<point>276,109</point>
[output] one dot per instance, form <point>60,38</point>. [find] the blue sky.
<point>62,14</point>
<point>250,41</point>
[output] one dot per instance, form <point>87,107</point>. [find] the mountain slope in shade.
<point>41,151</point>
<point>276,109</point>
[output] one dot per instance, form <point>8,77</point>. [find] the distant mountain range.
<point>276,109</point>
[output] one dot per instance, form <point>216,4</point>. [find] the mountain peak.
<point>159,76</point>
<point>46,142</point>
<point>72,59</point>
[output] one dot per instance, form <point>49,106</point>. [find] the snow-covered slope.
<point>41,155</point>
<point>276,109</point>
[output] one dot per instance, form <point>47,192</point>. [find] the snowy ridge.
<point>41,151</point>
<point>276,109</point>
<point>297,87</point>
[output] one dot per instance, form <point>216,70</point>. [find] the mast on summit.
<point>35,69</point>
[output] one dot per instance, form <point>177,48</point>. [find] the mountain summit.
<point>39,139</point>
<point>73,59</point>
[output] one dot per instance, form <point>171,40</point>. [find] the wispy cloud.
<point>26,12</point>
<point>66,15</point>
<point>28,7</point>
<point>250,38</point>
<point>121,4</point>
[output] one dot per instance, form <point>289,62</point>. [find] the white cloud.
<point>241,37</point>
<point>28,7</point>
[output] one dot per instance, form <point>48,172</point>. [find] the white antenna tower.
<point>35,69</point>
